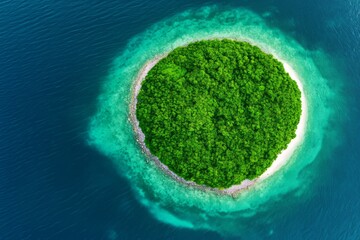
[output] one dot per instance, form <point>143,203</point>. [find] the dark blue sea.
<point>68,165</point>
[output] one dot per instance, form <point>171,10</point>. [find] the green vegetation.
<point>217,112</point>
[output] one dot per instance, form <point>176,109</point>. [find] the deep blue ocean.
<point>55,183</point>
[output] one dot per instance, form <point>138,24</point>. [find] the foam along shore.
<point>280,161</point>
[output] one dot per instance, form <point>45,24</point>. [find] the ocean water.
<point>70,167</point>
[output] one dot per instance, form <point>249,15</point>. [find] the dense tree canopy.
<point>217,112</point>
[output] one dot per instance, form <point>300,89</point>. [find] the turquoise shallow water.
<point>172,203</point>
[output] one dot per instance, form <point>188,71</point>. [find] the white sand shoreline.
<point>280,161</point>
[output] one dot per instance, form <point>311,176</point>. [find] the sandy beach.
<point>280,161</point>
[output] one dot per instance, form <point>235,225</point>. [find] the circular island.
<point>216,113</point>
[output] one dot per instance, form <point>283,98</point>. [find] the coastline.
<point>279,162</point>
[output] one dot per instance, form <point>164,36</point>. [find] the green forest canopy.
<point>217,112</point>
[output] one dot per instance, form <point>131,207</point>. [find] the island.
<point>216,113</point>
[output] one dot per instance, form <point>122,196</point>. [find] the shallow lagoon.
<point>171,202</point>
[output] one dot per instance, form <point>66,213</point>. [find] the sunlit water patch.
<point>169,201</point>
